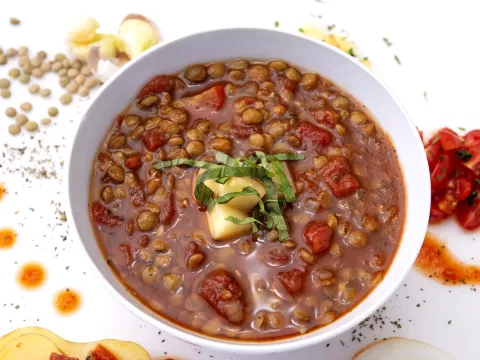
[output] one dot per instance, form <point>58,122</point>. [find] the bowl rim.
<point>251,347</point>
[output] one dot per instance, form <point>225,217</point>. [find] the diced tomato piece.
<point>55,356</point>
<point>213,98</point>
<point>461,187</point>
<point>156,85</point>
<point>443,171</point>
<point>104,216</point>
<point>101,353</point>
<point>292,280</point>
<point>449,140</point>
<point>153,139</point>
<point>224,294</point>
<point>317,235</point>
<point>337,175</point>
<point>474,162</point>
<point>436,215</point>
<point>312,137</point>
<point>324,116</point>
<point>133,162</point>
<point>468,212</point>
<point>432,150</point>
<point>472,139</point>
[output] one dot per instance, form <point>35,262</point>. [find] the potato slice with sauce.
<point>222,229</point>
<point>237,184</point>
<point>41,343</point>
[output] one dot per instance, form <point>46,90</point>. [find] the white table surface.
<point>435,42</point>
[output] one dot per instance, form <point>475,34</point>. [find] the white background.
<point>436,43</point>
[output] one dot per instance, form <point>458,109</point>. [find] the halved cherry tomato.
<point>436,215</point>
<point>432,150</point>
<point>472,139</point>
<point>449,140</point>
<point>474,162</point>
<point>468,212</point>
<point>443,171</point>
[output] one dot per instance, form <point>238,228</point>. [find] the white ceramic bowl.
<point>170,57</point>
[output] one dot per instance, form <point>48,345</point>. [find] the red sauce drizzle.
<point>7,238</point>
<point>31,276</point>
<point>436,261</point>
<point>67,301</point>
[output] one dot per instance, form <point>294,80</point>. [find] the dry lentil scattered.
<point>83,91</point>
<point>64,80</point>
<point>42,55</point>
<point>27,69</point>
<point>38,73</point>
<point>31,126</point>
<point>23,50</point>
<point>65,99</point>
<point>62,72</point>
<point>52,111</point>
<point>26,106</point>
<point>46,67</point>
<point>14,21</point>
<point>24,78</point>
<point>45,92</point>
<point>14,129</point>
<point>66,64</point>
<point>3,59</point>
<point>91,82</point>
<point>56,66</point>
<point>33,89</point>
<point>36,62</point>
<point>4,83</point>
<point>5,93</point>
<point>85,71</point>
<point>72,88</point>
<point>46,121</point>
<point>11,52</point>
<point>23,61</point>
<point>21,119</point>
<point>14,73</point>
<point>80,79</point>
<point>72,73</point>
<point>10,112</point>
<point>60,57</point>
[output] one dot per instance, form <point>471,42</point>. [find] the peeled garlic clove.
<point>400,349</point>
<point>84,31</point>
<point>106,43</point>
<point>103,68</point>
<point>138,34</point>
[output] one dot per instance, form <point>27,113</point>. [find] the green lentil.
<point>14,73</point>
<point>36,62</point>
<point>46,121</point>
<point>62,72</point>
<point>66,99</point>
<point>72,73</point>
<point>46,67</point>
<point>22,50</point>
<point>14,21</point>
<point>52,111</point>
<point>45,92</point>
<point>14,129</point>
<point>26,106</point>
<point>27,69</point>
<point>5,93</point>
<point>56,66</point>
<point>21,119</point>
<point>3,59</point>
<point>63,81</point>
<point>4,83</point>
<point>80,79</point>
<point>31,126</point>
<point>72,88</point>
<point>42,55</point>
<point>10,112</point>
<point>83,91</point>
<point>60,57</point>
<point>33,89</point>
<point>24,78</point>
<point>85,71</point>
<point>11,52</point>
<point>91,82</point>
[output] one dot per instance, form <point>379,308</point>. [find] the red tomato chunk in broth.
<point>336,212</point>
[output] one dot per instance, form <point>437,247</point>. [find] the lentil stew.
<point>247,199</point>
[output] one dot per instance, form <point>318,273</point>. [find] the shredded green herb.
<point>301,30</point>
<point>471,198</point>
<point>425,95</point>
<point>477,181</point>
<point>277,23</point>
<point>386,41</point>
<point>351,52</point>
<point>464,155</point>
<point>266,215</point>
<point>397,59</point>
<point>461,128</point>
<point>330,27</point>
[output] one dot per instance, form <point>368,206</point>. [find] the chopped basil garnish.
<point>471,198</point>
<point>266,215</point>
<point>464,155</point>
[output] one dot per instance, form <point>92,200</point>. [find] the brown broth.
<point>357,271</point>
